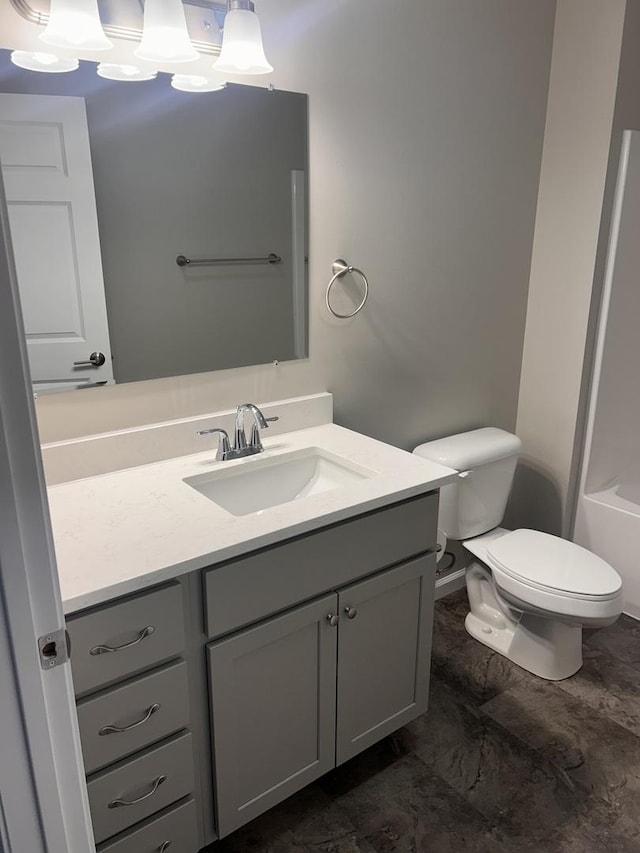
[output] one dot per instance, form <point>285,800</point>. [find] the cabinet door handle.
<point>103,650</point>
<point>114,804</point>
<point>332,619</point>
<point>351,612</point>
<point>164,846</point>
<point>111,730</point>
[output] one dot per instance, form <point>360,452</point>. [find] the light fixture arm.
<point>247,5</point>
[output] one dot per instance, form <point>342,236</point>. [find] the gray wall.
<point>595,77</point>
<point>426,128</point>
<point>584,75</point>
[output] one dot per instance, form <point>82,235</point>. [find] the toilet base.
<point>541,645</point>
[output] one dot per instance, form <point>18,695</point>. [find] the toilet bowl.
<point>530,593</point>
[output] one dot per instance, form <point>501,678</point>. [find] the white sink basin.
<point>260,483</point>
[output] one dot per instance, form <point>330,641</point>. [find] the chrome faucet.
<point>240,446</point>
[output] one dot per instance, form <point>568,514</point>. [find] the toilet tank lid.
<point>469,449</point>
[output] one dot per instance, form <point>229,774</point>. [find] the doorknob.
<point>96,359</point>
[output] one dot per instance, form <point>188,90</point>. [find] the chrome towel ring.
<point>340,268</point>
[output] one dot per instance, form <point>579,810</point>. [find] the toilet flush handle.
<point>464,474</point>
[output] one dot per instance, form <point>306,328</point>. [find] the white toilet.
<point>530,594</point>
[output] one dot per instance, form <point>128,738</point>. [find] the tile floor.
<point>502,762</point>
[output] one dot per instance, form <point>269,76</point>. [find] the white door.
<point>46,166</point>
<point>43,796</point>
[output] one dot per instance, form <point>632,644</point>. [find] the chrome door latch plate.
<point>54,649</point>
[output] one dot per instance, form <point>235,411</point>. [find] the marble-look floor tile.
<point>457,604</point>
<point>308,819</point>
<point>408,809</point>
<point>621,640</point>
<point>463,662</point>
<point>503,762</point>
<point>349,844</point>
<point>608,685</point>
<point>595,829</point>
<point>508,782</point>
<point>373,761</point>
<point>593,752</point>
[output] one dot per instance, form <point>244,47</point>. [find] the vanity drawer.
<point>148,708</point>
<point>154,779</point>
<point>254,587</point>
<point>177,826</point>
<point>112,642</point>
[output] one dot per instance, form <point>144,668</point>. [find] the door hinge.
<point>54,648</point>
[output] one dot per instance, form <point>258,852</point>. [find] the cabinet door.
<point>384,653</point>
<point>273,710</point>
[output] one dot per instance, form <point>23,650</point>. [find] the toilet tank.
<point>486,461</point>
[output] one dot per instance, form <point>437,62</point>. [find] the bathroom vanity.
<point>248,654</point>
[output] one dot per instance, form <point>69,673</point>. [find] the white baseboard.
<point>450,583</point>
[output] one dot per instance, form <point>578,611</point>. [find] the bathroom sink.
<point>260,483</point>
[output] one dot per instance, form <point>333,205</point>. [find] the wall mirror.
<point>219,178</point>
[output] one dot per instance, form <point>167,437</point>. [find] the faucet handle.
<point>224,448</point>
<point>255,432</point>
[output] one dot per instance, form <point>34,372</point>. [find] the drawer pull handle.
<point>112,730</point>
<point>164,846</point>
<point>114,804</point>
<point>103,650</point>
<point>351,612</point>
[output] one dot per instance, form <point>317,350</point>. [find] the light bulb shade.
<point>75,25</point>
<point>164,36</point>
<point>196,83</point>
<point>242,51</point>
<point>126,73</point>
<point>47,62</point>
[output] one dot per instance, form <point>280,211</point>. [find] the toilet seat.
<point>553,565</point>
<point>530,569</point>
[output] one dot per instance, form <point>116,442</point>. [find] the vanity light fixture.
<point>126,73</point>
<point>165,37</point>
<point>242,51</point>
<point>196,83</point>
<point>47,62</point>
<point>75,25</point>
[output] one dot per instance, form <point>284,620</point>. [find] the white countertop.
<point>121,532</point>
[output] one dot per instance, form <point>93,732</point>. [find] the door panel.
<point>384,654</point>
<point>32,146</point>
<point>46,167</point>
<point>273,710</point>
<point>43,244</point>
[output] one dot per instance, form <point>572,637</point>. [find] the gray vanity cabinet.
<point>384,644</point>
<point>300,693</point>
<point>272,691</point>
<point>280,664</point>
<point>128,636</point>
<point>132,683</point>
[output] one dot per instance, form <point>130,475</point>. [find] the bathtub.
<point>609,525</point>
